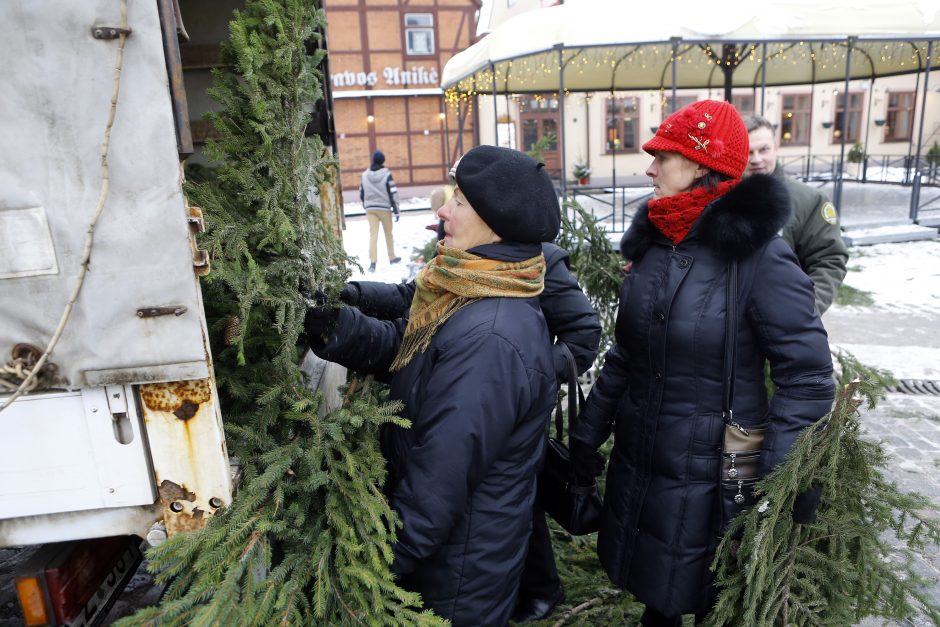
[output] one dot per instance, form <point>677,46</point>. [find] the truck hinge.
<point>109,32</point>
<point>197,225</point>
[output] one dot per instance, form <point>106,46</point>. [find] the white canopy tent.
<point>607,45</point>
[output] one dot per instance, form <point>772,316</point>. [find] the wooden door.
<point>538,120</point>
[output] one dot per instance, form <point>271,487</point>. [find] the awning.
<point>603,45</point>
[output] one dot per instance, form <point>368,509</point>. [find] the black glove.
<point>397,215</point>
<point>350,294</point>
<point>586,462</point>
<point>319,319</point>
<point>806,504</point>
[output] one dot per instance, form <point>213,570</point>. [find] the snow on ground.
<point>902,277</point>
<point>409,232</point>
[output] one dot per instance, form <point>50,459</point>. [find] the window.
<point>419,33</point>
<point>900,119</point>
<point>854,128</point>
<point>539,116</point>
<point>794,120</point>
<point>744,103</point>
<point>623,123</point>
<point>539,104</point>
<point>681,101</point>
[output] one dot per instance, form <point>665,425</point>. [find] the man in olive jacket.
<point>813,229</point>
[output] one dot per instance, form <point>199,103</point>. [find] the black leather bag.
<point>577,508</point>
<point>741,447</point>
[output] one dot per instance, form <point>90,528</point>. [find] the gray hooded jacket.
<point>378,191</point>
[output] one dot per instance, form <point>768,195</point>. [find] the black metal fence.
<point>615,204</point>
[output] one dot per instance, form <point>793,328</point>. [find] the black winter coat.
<point>462,478</point>
<point>660,389</point>
<point>568,312</point>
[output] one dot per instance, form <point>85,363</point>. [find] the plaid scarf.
<point>453,280</point>
<point>674,215</point>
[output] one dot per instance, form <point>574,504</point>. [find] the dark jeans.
<point>539,575</point>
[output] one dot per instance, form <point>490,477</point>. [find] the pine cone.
<point>231,330</point>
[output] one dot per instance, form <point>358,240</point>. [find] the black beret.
<point>511,192</point>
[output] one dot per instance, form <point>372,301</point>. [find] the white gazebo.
<point>608,45</point>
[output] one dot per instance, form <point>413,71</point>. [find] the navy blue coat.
<point>568,312</point>
<point>660,390</point>
<point>462,478</point>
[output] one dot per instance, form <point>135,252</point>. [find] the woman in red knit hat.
<point>712,293</point>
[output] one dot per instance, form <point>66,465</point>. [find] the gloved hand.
<point>319,321</point>
<point>806,504</point>
<point>397,214</point>
<point>586,462</point>
<point>320,318</point>
<point>350,294</point>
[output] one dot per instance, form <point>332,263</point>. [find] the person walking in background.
<point>813,228</point>
<point>473,367</point>
<point>379,197</point>
<point>706,258</point>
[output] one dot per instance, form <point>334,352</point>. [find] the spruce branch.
<point>308,537</point>
<point>845,566</point>
<point>597,265</point>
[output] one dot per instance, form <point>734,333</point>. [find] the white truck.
<point>122,436</point>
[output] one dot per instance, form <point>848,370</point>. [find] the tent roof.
<point>611,44</point>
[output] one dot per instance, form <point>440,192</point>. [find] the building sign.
<point>392,76</point>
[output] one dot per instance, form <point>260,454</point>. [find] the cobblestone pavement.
<point>909,428</point>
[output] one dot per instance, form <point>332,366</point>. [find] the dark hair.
<point>710,180</point>
<point>754,122</point>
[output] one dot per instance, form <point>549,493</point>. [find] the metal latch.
<point>117,402</point>
<point>197,225</point>
<point>109,32</point>
<point>153,312</point>
<point>120,423</point>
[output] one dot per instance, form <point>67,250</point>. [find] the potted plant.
<point>857,156</point>
<point>933,161</point>
<point>856,153</point>
<point>582,172</point>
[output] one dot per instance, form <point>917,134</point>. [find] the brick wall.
<point>367,43</point>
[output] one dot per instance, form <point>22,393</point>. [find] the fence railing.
<point>888,169</point>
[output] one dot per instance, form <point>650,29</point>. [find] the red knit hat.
<point>708,132</point>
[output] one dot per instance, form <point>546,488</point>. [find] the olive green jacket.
<point>814,235</point>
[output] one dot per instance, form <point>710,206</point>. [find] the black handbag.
<point>577,508</point>
<point>741,446</point>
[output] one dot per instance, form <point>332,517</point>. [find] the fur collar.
<point>733,227</point>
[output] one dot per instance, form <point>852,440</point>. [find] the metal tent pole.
<point>763,77</point>
<point>675,62</point>
<point>837,192</point>
<point>561,112</point>
<point>495,109</point>
<point>915,191</point>
<point>871,99</point>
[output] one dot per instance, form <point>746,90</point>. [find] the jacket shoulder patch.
<point>828,212</point>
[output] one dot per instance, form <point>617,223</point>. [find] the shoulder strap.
<point>731,318</point>
<point>575,395</point>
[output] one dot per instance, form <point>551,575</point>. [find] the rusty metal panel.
<point>187,445</point>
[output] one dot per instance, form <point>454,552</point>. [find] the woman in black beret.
<point>472,363</point>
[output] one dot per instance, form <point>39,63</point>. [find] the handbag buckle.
<point>739,497</point>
